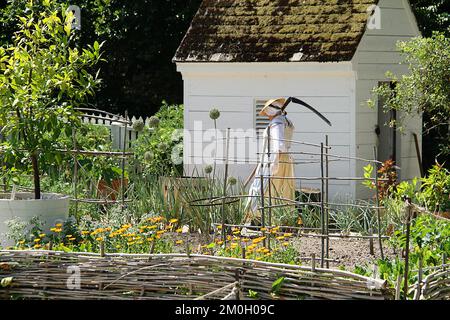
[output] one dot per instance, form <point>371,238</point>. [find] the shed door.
<point>387,135</point>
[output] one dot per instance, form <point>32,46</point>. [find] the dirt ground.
<point>348,252</point>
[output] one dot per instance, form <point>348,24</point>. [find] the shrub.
<point>156,148</point>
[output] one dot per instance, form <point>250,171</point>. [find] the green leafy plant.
<point>43,77</point>
<point>436,189</point>
<point>277,285</point>
<point>158,150</point>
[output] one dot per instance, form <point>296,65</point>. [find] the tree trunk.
<point>37,179</point>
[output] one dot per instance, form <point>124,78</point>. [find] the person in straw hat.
<point>275,162</point>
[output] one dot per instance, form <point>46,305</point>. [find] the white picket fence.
<point>117,129</point>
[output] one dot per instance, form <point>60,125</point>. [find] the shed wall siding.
<point>234,88</point>
<point>376,55</point>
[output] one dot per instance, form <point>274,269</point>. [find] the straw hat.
<point>274,103</point>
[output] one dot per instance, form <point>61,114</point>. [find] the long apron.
<point>279,165</point>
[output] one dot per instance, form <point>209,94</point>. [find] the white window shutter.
<point>261,122</point>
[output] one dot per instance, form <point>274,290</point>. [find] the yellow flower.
<point>108,229</point>
<point>179,242</point>
<point>263,229</point>
<point>285,244</point>
<point>179,230</point>
<point>37,240</point>
<point>150,239</point>
<point>233,245</point>
<point>84,232</point>
<point>151,227</point>
<point>58,225</point>
<point>219,242</point>
<point>287,235</point>
<point>130,243</point>
<point>219,227</point>
<point>245,240</point>
<point>21,241</point>
<point>37,246</point>
<point>42,235</point>
<point>72,239</point>
<point>236,232</point>
<point>299,221</point>
<point>280,238</point>
<point>99,239</point>
<point>173,221</point>
<point>69,236</point>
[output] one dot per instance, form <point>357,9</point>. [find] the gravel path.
<point>349,252</point>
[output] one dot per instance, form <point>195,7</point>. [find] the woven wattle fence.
<point>436,286</point>
<point>53,275</point>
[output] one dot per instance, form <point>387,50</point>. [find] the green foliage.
<point>429,241</point>
<point>432,15</point>
<point>436,189</point>
<point>43,77</point>
<point>277,285</point>
<point>138,36</point>
<point>426,88</point>
<point>164,142</point>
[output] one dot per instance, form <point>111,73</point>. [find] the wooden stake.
<point>75,172</point>
<point>408,231</point>
<point>313,262</point>
<point>419,279</point>
<point>322,208</point>
<point>269,180</point>
<point>327,212</point>
<point>371,249</point>
<point>124,159</point>
<point>225,183</point>
<point>380,242</point>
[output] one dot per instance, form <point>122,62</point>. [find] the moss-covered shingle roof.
<point>275,31</point>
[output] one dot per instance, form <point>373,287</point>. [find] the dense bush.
<point>158,150</point>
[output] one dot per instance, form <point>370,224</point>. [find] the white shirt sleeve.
<point>277,143</point>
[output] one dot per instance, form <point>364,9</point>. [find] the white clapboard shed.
<point>329,53</point>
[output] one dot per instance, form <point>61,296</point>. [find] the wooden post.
<point>262,197</point>
<point>408,231</point>
<point>225,183</point>
<point>380,242</point>
<point>398,285</point>
<point>102,248</point>
<point>419,279</point>
<point>313,262</point>
<point>75,172</point>
<point>371,249</point>
<point>322,207</point>
<point>124,159</point>
<point>327,220</point>
<point>188,250</point>
<point>269,180</point>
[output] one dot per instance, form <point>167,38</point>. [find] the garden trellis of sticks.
<point>324,204</point>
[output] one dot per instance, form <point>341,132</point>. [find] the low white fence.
<point>117,127</point>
